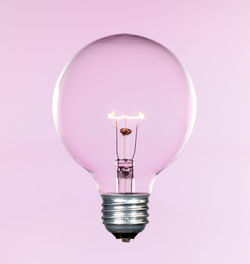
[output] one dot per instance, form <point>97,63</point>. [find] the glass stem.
<point>125,174</point>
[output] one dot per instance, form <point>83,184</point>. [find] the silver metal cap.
<point>125,214</point>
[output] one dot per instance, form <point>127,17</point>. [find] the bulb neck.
<point>125,214</point>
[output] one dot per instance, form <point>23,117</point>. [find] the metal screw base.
<point>125,214</point>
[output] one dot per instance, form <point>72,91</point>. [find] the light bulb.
<point>124,107</point>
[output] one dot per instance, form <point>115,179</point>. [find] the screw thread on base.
<point>125,214</point>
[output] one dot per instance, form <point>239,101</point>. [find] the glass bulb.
<point>124,107</point>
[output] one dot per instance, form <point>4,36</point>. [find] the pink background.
<point>200,206</point>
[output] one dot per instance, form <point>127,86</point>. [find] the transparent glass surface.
<point>124,107</point>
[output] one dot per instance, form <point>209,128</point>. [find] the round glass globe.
<point>128,79</point>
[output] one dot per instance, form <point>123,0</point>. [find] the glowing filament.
<point>114,116</point>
